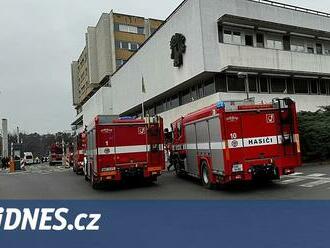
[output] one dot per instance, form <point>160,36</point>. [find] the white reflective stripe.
<point>131,149</point>
<point>217,146</point>
<point>191,147</point>
<point>105,150</point>
<point>203,146</point>
<point>235,143</point>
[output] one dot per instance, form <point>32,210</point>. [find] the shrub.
<point>314,128</point>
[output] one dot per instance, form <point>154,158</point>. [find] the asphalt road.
<point>42,182</point>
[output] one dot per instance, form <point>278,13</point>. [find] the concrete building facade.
<point>108,46</point>
<point>282,50</point>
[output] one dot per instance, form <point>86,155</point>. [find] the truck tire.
<point>205,176</point>
<point>94,184</point>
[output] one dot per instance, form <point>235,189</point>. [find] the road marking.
<point>315,183</point>
<point>316,175</point>
<point>297,174</point>
<point>293,180</point>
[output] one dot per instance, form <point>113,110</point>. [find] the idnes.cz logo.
<point>46,219</point>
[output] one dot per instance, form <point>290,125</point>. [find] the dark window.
<point>235,83</point>
<point>310,48</point>
<point>264,85</point>
<point>209,88</point>
<point>278,85</point>
<point>140,30</point>
<point>134,46</point>
<point>286,43</point>
<point>227,32</point>
<point>152,111</point>
<point>319,49</point>
<point>248,40</point>
<point>159,108</point>
<point>117,44</point>
<point>200,91</point>
<point>313,85</point>
<point>323,87</point>
<point>289,83</point>
<point>194,93</point>
<point>175,102</point>
<point>301,86</point>
<point>185,97</point>
<point>116,26</point>
<point>220,83</point>
<point>253,84</point>
<point>220,30</point>
<point>124,45</point>
<point>260,40</point>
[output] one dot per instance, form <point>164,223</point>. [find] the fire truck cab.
<point>237,141</point>
<point>120,148</point>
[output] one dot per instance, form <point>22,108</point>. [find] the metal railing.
<point>292,7</point>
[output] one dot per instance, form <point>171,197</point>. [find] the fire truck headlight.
<point>237,168</point>
<point>108,169</point>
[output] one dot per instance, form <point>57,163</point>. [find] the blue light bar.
<point>220,105</point>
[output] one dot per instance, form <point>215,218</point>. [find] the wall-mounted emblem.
<point>178,47</point>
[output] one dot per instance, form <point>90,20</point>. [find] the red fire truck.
<point>56,154</point>
<point>80,146</point>
<point>121,148</point>
<point>237,141</point>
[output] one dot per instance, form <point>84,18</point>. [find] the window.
<point>200,91</point>
<point>235,83</point>
<point>301,86</point>
<point>124,45</point>
<point>220,83</point>
<point>227,36</point>
<point>209,88</point>
<point>185,97</point>
<point>249,40</point>
<point>117,44</point>
<point>159,108</point>
<point>286,43</point>
<point>133,46</point>
<point>237,39</point>
<point>313,86</point>
<point>128,29</point>
<point>140,30</point>
<point>232,37</point>
<point>310,48</point>
<point>263,83</point>
<point>319,48</point>
<point>289,85</point>
<point>327,48</point>
<point>253,84</point>
<point>278,85</point>
<point>194,93</point>
<point>298,48</point>
<point>175,102</point>
<point>275,42</point>
<point>323,86</point>
<point>260,40</point>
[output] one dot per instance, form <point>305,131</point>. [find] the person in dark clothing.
<point>4,162</point>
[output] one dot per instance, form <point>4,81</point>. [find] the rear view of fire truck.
<point>80,146</point>
<point>122,148</point>
<point>56,154</point>
<point>237,141</point>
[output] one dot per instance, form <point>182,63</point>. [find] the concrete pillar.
<point>5,138</point>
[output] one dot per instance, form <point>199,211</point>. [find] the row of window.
<point>128,28</point>
<point>273,41</point>
<point>232,83</point>
<point>133,46</point>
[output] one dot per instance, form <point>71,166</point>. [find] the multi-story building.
<point>210,50</point>
<point>108,46</point>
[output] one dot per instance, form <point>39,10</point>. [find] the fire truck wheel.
<point>95,185</point>
<point>206,181</point>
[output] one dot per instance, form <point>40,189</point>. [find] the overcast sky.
<point>38,41</point>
